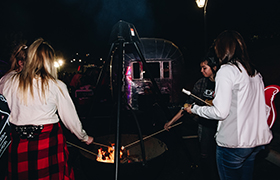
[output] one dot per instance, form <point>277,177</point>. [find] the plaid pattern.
<point>42,158</point>
<point>198,89</point>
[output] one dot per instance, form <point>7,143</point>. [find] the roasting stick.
<point>190,94</point>
<point>177,116</point>
<point>81,148</point>
<point>100,144</point>
<point>152,135</point>
<point>183,90</point>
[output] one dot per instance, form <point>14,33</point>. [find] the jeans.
<point>236,163</point>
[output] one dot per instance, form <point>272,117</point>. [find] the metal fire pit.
<point>154,149</point>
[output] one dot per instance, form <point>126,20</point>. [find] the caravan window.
<point>136,70</point>
<point>154,67</point>
<point>158,70</point>
<point>166,70</point>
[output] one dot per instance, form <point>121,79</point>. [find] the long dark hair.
<point>19,54</point>
<point>230,47</point>
<point>212,60</point>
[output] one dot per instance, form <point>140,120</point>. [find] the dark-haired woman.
<point>204,89</point>
<point>17,60</point>
<point>239,106</point>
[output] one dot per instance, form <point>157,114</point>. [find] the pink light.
<point>128,73</point>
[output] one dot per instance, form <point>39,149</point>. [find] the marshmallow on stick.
<point>190,94</point>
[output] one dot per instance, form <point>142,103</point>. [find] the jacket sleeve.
<point>68,113</point>
<point>222,100</point>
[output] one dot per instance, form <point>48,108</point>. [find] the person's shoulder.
<point>257,76</point>
<point>61,83</point>
<point>227,66</point>
<point>228,69</point>
<point>8,76</point>
<point>58,84</point>
<point>201,80</point>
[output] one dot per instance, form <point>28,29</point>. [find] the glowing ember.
<point>109,155</point>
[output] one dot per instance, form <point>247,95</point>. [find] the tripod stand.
<point>122,35</point>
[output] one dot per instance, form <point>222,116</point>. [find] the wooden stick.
<point>190,94</point>
<point>100,144</point>
<point>81,148</point>
<point>152,135</point>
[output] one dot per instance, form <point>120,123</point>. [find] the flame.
<point>109,155</point>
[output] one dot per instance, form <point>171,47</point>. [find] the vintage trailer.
<point>164,61</point>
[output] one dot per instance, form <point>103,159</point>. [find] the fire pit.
<point>131,166</point>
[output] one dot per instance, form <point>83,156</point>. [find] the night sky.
<point>84,26</point>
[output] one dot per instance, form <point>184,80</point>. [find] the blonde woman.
<point>38,148</point>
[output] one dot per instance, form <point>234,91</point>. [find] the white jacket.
<point>40,113</point>
<point>239,105</point>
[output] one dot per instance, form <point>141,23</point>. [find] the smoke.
<point>76,25</point>
<point>133,11</point>
<point>101,15</point>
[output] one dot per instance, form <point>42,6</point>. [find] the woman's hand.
<point>189,109</point>
<point>167,126</point>
<point>90,140</point>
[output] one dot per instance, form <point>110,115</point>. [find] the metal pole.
<point>119,98</point>
<point>205,25</point>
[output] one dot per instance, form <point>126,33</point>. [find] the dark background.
<point>84,27</point>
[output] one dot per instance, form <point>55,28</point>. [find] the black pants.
<point>208,152</point>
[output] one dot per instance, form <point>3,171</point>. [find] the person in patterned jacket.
<point>204,89</point>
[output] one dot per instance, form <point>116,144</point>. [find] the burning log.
<point>131,162</point>
<point>153,148</point>
<point>108,156</point>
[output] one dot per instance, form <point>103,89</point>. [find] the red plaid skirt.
<point>42,158</point>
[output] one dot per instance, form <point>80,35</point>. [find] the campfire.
<point>107,155</point>
<point>130,153</point>
<point>130,160</point>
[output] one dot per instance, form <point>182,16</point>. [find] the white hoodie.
<point>239,105</point>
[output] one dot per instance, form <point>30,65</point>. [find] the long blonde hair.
<point>39,66</point>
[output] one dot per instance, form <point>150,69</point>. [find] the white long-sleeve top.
<point>37,112</point>
<point>239,105</point>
